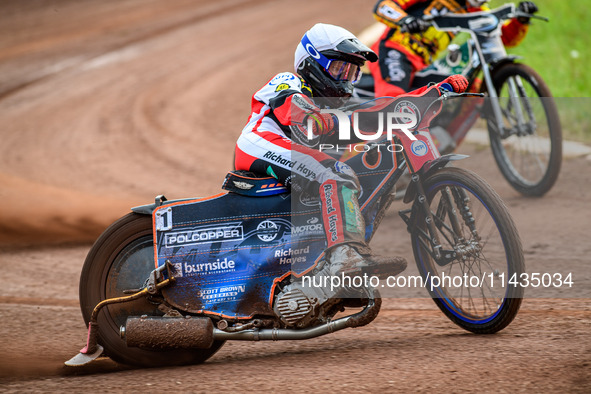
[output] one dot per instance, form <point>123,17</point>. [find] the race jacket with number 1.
<point>274,107</point>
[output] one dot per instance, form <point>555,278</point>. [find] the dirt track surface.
<point>106,104</point>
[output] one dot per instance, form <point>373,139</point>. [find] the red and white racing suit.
<point>266,147</point>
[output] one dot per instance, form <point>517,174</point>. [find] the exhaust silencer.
<point>158,332</point>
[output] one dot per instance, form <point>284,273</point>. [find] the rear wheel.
<point>121,259</point>
<point>480,247</point>
<point>530,154</point>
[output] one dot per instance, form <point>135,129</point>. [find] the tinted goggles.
<point>338,69</point>
<point>344,71</point>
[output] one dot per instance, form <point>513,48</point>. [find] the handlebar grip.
<point>520,14</point>
<point>424,25</point>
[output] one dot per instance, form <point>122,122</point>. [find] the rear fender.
<point>148,209</point>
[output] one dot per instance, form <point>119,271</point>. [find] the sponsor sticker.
<point>409,108</point>
<point>419,148</point>
<point>243,185</point>
<point>222,294</point>
<point>282,86</point>
<point>213,267</point>
<point>312,227</point>
<point>267,231</point>
<point>305,86</point>
<point>282,78</point>
<point>204,235</point>
<point>309,200</point>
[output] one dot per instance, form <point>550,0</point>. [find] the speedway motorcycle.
<point>171,281</point>
<point>521,115</point>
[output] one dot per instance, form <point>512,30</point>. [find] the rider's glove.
<point>528,7</point>
<point>322,124</point>
<point>412,25</point>
<point>304,111</point>
<point>458,83</point>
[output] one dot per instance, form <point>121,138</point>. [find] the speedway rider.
<point>409,45</point>
<point>327,61</point>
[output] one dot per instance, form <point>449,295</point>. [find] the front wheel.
<point>528,145</point>
<point>480,251</point>
<point>122,259</point>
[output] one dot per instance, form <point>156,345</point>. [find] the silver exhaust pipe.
<point>192,332</point>
<point>359,319</point>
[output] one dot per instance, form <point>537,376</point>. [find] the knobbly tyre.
<point>170,282</point>
<point>522,120</point>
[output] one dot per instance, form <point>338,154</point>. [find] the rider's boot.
<point>351,260</point>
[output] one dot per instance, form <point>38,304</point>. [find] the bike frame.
<point>421,158</point>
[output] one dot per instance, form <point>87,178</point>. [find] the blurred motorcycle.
<point>521,115</point>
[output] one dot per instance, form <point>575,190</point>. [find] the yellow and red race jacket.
<point>430,43</point>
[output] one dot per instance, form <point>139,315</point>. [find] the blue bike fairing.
<point>228,251</point>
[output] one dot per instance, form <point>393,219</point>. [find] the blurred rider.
<point>409,45</point>
<point>327,62</point>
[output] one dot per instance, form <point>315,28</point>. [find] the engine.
<point>300,304</point>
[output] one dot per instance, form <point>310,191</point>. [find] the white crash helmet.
<point>329,59</point>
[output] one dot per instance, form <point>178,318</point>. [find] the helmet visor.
<point>344,71</point>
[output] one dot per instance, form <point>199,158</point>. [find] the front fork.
<point>518,100</point>
<point>451,198</point>
<point>494,100</point>
<point>523,110</point>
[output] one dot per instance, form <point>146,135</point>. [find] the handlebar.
<point>447,94</point>
<point>520,14</point>
<point>463,21</point>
